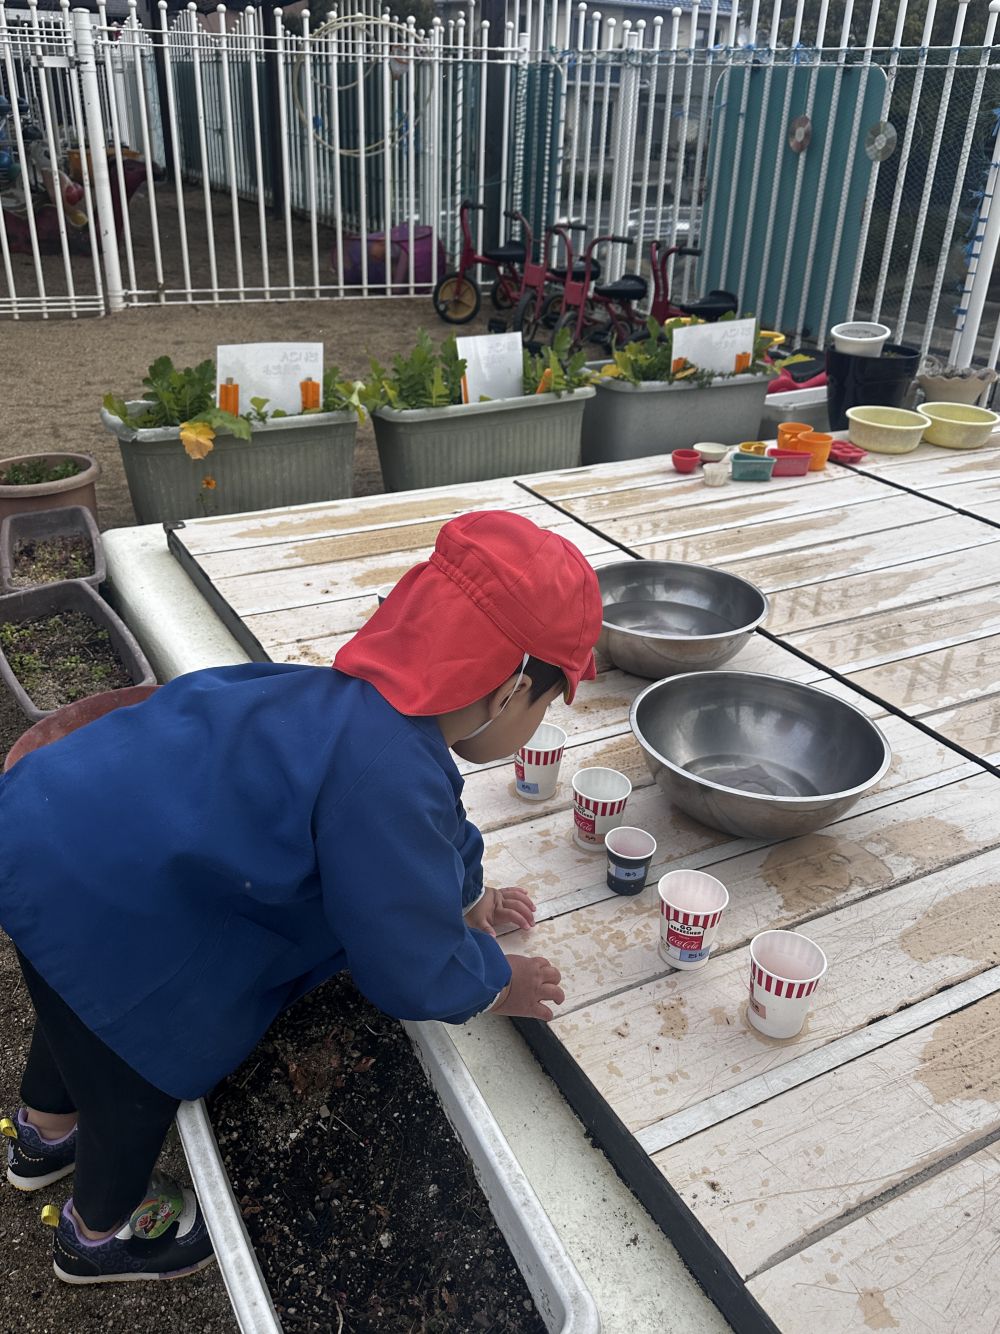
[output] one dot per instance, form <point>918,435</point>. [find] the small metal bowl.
<point>757,756</point>
<point>665,616</point>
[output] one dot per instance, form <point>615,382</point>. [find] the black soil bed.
<point>43,560</point>
<point>60,659</point>
<point>360,1201</point>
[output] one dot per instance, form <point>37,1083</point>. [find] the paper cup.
<point>630,851</point>
<point>691,905</point>
<point>536,764</point>
<point>599,797</point>
<point>383,592</point>
<point>785,970</point>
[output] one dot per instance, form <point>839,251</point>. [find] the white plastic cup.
<point>630,852</point>
<point>536,764</point>
<point>715,474</point>
<point>383,592</point>
<point>691,907</point>
<point>599,797</point>
<point>860,338</point>
<point>785,970</point>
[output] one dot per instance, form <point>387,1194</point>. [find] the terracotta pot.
<point>77,490</point>
<point>71,716</point>
<point>955,388</point>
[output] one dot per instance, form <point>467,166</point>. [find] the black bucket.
<point>854,382</point>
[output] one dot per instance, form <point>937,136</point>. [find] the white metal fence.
<point>822,174</point>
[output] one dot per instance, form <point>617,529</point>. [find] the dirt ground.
<point>53,375</point>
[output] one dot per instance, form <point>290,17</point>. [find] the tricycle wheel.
<point>501,295</point>
<point>457,299</point>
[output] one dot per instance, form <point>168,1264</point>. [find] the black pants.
<point>123,1120</point>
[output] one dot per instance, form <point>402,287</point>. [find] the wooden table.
<point>847,1179</point>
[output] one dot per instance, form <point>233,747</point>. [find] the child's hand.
<point>502,907</point>
<point>533,982</point>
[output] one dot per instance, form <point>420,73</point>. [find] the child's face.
<point>509,731</point>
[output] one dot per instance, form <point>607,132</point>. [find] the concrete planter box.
<point>31,604</point>
<point>473,442</point>
<point>69,521</point>
<point>631,421</point>
<point>290,461</point>
<point>77,490</point>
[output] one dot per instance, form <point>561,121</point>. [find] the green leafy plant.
<point>556,369</point>
<point>653,358</point>
<point>36,470</point>
<point>427,378</point>
<point>181,398</point>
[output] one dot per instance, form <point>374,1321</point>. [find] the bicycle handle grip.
<point>509,213</point>
<point>621,240</point>
<point>574,226</point>
<point>469,203</point>
<point>688,250</point>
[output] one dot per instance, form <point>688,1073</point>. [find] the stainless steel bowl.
<point>757,756</point>
<point>665,616</point>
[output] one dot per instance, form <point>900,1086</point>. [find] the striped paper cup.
<point>536,764</point>
<point>599,797</point>
<point>691,906</point>
<point>785,970</point>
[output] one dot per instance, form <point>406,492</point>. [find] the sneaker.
<point>32,1160</point>
<point>166,1237</point>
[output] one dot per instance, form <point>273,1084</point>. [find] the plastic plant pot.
<point>789,463</point>
<point>860,339</point>
<point>752,467</point>
<point>958,425</point>
<point>857,382</point>
<point>685,460</point>
<point>816,445</point>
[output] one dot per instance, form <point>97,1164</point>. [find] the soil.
<point>38,470</point>
<point>46,560</point>
<point>362,1206</point>
<point>60,659</point>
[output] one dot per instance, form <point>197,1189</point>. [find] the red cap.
<point>456,626</point>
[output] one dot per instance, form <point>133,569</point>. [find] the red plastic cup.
<point>685,460</point>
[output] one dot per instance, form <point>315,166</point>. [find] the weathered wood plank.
<point>940,534</point>
<point>884,636</point>
<point>923,1263</point>
<point>953,675</point>
<point>982,497</point>
<point>603,942</point>
<point>270,590</point>
<point>744,537</point>
<point>327,518</point>
<point>831,488</point>
<point>768,1178</point>
<point>929,466</point>
<point>307,553</point>
<point>916,581</point>
<point>975,726</point>
<point>673,1042</point>
<point>654,469</point>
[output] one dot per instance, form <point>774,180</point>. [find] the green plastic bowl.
<point>886,430</point>
<point>958,425</point>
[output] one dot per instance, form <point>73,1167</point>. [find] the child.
<point>177,873</point>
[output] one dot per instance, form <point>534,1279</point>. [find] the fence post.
<point>273,74</point>
<point>494,13</point>
<point>83,41</point>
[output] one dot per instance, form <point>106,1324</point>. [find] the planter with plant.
<point>48,546</point>
<point>427,436</point>
<point>33,482</point>
<point>60,642</point>
<point>648,402</point>
<point>259,459</point>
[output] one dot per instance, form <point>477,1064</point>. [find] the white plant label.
<point>719,347</point>
<point>493,366</point>
<point>269,370</point>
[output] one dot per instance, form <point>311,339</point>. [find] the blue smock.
<point>182,870</point>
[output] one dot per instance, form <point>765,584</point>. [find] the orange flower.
<point>208,483</point>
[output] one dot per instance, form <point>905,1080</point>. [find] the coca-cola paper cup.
<point>691,906</point>
<point>785,970</point>
<point>599,797</point>
<point>536,764</point>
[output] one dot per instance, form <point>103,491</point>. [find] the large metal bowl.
<point>665,616</point>
<point>756,756</point>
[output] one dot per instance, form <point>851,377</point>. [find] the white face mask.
<point>482,728</point>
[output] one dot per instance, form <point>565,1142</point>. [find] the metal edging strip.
<point>241,1273</point>
<point>563,1300</point>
